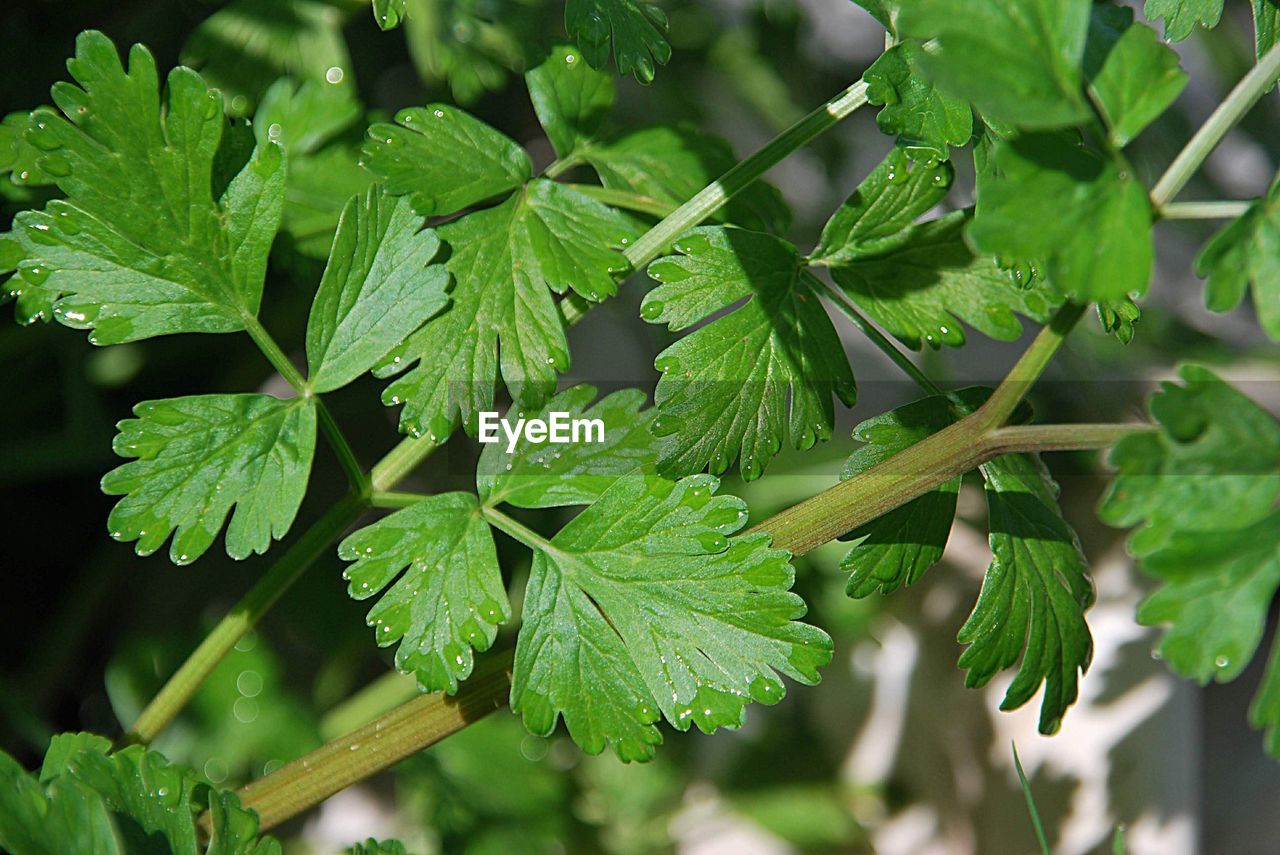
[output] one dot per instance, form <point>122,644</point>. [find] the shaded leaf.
<point>636,30</point>
<point>1247,252</point>
<point>925,120</point>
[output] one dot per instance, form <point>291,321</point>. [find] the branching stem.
<point>1229,112</point>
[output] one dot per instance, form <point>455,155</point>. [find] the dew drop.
<point>652,310</point>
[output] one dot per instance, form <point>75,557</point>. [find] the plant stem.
<point>183,684</point>
<point>516,530</point>
<point>400,461</point>
<point>626,199</point>
<point>286,369</point>
<point>406,730</point>
<point>997,409</point>
<point>425,720</point>
<point>864,325</point>
<point>1205,210</point>
<point>1222,120</point>
<point>710,199</point>
<point>390,499</point>
<point>386,692</point>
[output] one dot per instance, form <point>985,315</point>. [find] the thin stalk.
<point>1229,112</point>
<point>516,530</point>
<point>997,409</point>
<point>286,369</point>
<point>392,499</point>
<point>558,167</point>
<point>383,694</point>
<point>1205,210</point>
<point>879,339</point>
<point>626,200</point>
<point>425,720</point>
<point>406,730</point>
<point>183,684</point>
<point>400,461</point>
<point>712,197</point>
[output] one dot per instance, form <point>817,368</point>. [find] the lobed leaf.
<point>87,799</point>
<point>1202,491</point>
<point>645,607</point>
<point>1266,25</point>
<point>444,159</point>
<point>1044,196</point>
<point>1182,16</point>
<point>377,289</point>
<point>301,119</point>
<point>729,389</point>
<point>1247,252</point>
<point>1133,77</point>
<point>878,214</point>
<point>506,261</point>
<point>926,120</point>
<point>1016,61</point>
<point>199,456</point>
<point>1034,594</point>
<point>570,98</point>
<point>923,288</point>
<point>444,595</point>
<point>554,474</point>
<point>140,247</point>
<point>636,30</point>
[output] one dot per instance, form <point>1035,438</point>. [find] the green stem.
<point>183,684</point>
<point>1005,399</point>
<point>1223,119</point>
<point>425,720</point>
<point>406,730</point>
<point>1205,210</point>
<point>864,325</point>
<point>558,167</point>
<point>392,499</point>
<point>388,691</point>
<point>712,197</point>
<point>626,200</point>
<point>286,369</point>
<point>514,529</point>
<point>400,461</point>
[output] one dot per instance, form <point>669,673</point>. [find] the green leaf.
<point>1247,252</point>
<point>897,548</point>
<point>1119,317</point>
<point>471,45</point>
<point>304,118</point>
<point>636,29</point>
<point>140,247</point>
<point>198,456</point>
<point>924,119</point>
<point>879,213</point>
<point>1017,61</point>
<point>1203,491</point>
<point>1088,218</point>
<point>1214,466</point>
<point>671,163</point>
<point>726,387</point>
<point>247,45</point>
<point>645,606</point>
<point>133,800</point>
<point>506,261</point>
<point>1182,16</point>
<point>378,847</point>
<point>444,159</point>
<point>1034,594</point>
<point>571,99</point>
<point>18,157</point>
<point>1266,25</point>
<point>388,13</point>
<point>554,474</point>
<point>921,289</point>
<point>318,187</point>
<point>445,596</point>
<point>1133,77</point>
<point>376,290</point>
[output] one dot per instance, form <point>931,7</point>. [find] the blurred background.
<point>890,754</point>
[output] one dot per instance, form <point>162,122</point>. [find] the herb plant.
<point>448,262</point>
